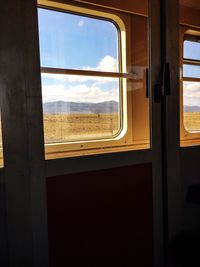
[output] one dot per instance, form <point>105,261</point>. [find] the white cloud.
<point>81,23</point>
<point>191,89</point>
<point>191,93</point>
<point>79,93</point>
<point>96,80</point>
<point>74,87</point>
<point>107,64</point>
<point>62,78</point>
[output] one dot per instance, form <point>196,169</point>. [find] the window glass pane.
<point>191,71</point>
<point>80,107</point>
<point>191,102</point>
<point>77,42</point>
<point>192,50</point>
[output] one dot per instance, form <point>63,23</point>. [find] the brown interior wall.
<point>190,16</point>
<point>190,175</point>
<point>139,59</point>
<point>101,218</point>
<point>139,7</point>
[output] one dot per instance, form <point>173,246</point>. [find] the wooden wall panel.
<point>139,7</point>
<point>191,3</point>
<point>139,41</point>
<point>101,218</point>
<point>190,16</point>
<point>139,62</point>
<point>189,10</point>
<point>190,175</point>
<point>22,129</point>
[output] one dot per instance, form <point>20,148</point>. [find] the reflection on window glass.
<point>192,50</point>
<point>191,102</point>
<point>80,107</point>
<point>191,71</point>
<point>77,42</point>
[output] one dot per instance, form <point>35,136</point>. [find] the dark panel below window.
<point>101,218</point>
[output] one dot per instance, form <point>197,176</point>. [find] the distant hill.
<point>57,107</point>
<point>191,108</point>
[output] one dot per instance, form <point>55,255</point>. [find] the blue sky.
<point>192,50</point>
<point>77,42</point>
<point>72,41</point>
<point>191,71</point>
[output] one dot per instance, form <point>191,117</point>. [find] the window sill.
<point>86,152</point>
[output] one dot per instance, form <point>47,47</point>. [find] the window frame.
<point>188,138</point>
<point>124,141</point>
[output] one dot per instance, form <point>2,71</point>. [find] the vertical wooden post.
<point>156,131</point>
<point>22,127</point>
<point>171,125</point>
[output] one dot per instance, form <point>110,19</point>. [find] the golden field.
<point>192,121</point>
<point>79,126</point>
<point>69,127</point>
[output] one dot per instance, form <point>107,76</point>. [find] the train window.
<point>191,85</point>
<point>86,90</point>
<point>79,105</point>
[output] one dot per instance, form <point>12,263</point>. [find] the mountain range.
<point>191,108</point>
<point>57,107</point>
<point>67,107</point>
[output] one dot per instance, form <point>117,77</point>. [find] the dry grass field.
<point>69,127</point>
<point>60,128</point>
<point>192,121</point>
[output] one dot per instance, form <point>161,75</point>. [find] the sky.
<point>191,50</point>
<point>72,41</point>
<point>77,42</point>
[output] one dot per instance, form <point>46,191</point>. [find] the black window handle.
<point>157,89</point>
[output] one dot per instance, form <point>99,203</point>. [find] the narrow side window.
<point>191,85</point>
